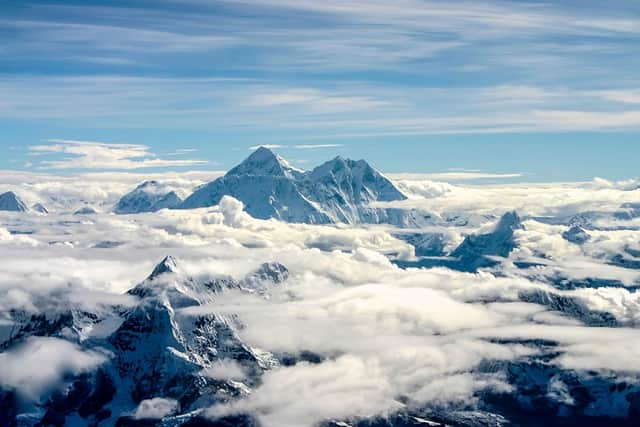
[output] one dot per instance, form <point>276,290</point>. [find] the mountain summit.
<point>264,162</point>
<point>10,201</point>
<point>150,196</point>
<point>336,191</point>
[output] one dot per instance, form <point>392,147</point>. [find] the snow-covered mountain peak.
<point>40,208</point>
<point>337,166</point>
<point>510,221</point>
<point>339,190</point>
<point>10,201</point>
<point>353,180</point>
<point>167,265</point>
<point>265,162</point>
<point>577,235</point>
<point>149,196</point>
<point>476,250</point>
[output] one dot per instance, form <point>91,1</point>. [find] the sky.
<point>531,91</point>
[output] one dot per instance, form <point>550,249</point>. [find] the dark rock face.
<point>39,207</point>
<point>156,351</point>
<point>86,396</point>
<point>425,244</point>
<point>42,325</point>
<point>10,201</point>
<point>547,395</point>
<point>570,307</point>
<point>474,251</point>
<point>8,408</point>
<point>230,421</point>
<point>628,211</point>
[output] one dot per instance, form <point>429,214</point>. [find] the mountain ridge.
<point>337,191</point>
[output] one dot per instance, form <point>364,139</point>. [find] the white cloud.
<point>624,96</point>
<point>156,408</point>
<point>348,386</point>
<point>575,120</point>
<point>381,332</point>
<point>225,369</point>
<point>463,176</point>
<point>100,155</point>
<point>40,364</point>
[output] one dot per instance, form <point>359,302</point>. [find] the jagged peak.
<point>86,210</point>
<point>152,187</point>
<point>509,221</point>
<point>149,183</point>
<point>10,201</point>
<point>576,234</point>
<point>167,265</point>
<point>149,196</point>
<point>263,161</point>
<point>39,207</point>
<point>338,165</point>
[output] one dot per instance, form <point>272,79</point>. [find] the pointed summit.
<point>265,162</point>
<point>510,221</point>
<point>576,235</point>
<point>148,287</point>
<point>9,201</point>
<point>150,196</point>
<point>167,265</point>
<point>39,207</point>
<point>476,250</point>
<point>339,190</point>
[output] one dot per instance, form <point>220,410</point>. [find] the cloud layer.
<point>382,337</point>
<point>99,155</point>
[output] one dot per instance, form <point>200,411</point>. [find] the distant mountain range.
<point>337,191</point>
<point>10,202</point>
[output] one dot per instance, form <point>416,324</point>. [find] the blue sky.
<point>547,90</point>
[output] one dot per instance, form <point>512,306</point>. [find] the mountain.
<point>263,162</point>
<point>476,250</point>
<point>577,235</point>
<point>628,211</point>
<point>268,187</point>
<point>157,350</point>
<point>150,196</point>
<point>425,244</point>
<point>9,201</point>
<point>86,210</point>
<point>39,207</point>
<point>337,191</point>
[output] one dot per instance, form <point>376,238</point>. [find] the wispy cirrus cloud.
<point>297,146</point>
<point>456,175</point>
<point>100,155</point>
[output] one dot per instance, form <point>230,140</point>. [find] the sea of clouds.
<point>382,331</point>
